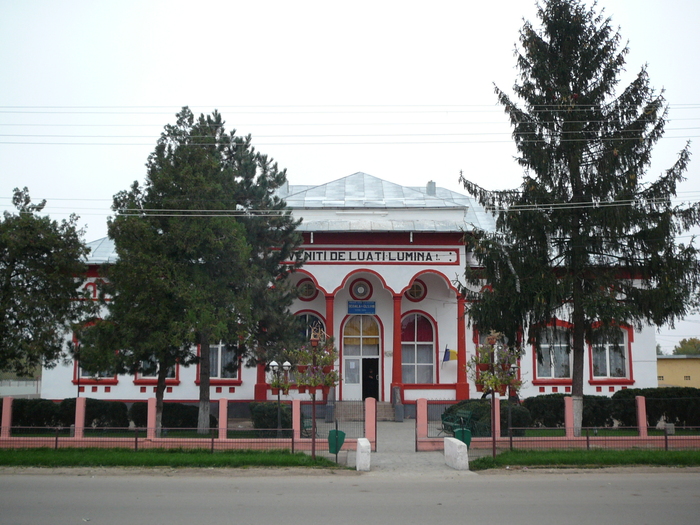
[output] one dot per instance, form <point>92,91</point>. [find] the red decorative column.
<point>260,383</point>
<point>330,301</point>
<point>396,376</point>
<point>462,387</point>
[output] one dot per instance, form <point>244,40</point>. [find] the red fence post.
<point>641,403</point>
<point>223,418</point>
<point>80,404</point>
<point>6,417</point>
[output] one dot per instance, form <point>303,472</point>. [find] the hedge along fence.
<point>548,410</point>
<point>175,415</point>
<point>677,405</point>
<point>46,413</point>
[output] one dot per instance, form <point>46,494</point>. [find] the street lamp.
<point>275,367</point>
<point>314,345</point>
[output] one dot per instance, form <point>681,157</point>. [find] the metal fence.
<point>614,438</point>
<point>347,416</point>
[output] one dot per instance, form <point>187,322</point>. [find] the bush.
<point>35,413</point>
<point>546,410</point>
<point>175,415</point>
<point>597,411</point>
<point>98,413</point>
<point>677,405</point>
<point>520,418</point>
<point>264,415</point>
<point>138,414</point>
<point>480,425</point>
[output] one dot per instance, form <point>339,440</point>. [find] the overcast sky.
<point>399,90</point>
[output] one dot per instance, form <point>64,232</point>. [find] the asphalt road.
<point>105,497</point>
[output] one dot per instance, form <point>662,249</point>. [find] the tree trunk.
<point>160,394</point>
<point>204,399</point>
<point>577,268</point>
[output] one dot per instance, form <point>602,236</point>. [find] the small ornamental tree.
<point>313,364</point>
<point>494,368</point>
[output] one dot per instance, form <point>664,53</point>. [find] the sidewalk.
<point>396,453</point>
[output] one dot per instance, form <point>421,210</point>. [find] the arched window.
<point>417,349</point>
<point>310,322</point>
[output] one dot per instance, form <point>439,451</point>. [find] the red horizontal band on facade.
<point>154,382</point>
<point>611,382</point>
<point>86,381</point>
<point>385,238</point>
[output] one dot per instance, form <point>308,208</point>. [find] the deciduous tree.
<point>40,262</point>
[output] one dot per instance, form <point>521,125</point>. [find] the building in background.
<point>382,266</point>
<point>678,370</point>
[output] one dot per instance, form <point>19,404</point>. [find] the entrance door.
<point>361,352</point>
<point>370,378</point>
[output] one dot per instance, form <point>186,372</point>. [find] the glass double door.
<point>361,364</point>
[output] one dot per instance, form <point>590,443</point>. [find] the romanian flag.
<point>450,355</point>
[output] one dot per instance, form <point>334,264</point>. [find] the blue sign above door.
<point>361,307</point>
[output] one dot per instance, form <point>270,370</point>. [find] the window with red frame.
<point>609,355</point>
<point>417,349</point>
<point>223,362</point>
<point>554,357</point>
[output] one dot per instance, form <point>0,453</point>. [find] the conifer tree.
<point>207,231</point>
<point>585,238</point>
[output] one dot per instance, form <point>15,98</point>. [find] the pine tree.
<point>584,238</point>
<point>207,230</point>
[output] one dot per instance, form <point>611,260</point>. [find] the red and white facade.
<point>382,263</point>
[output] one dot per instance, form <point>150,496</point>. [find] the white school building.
<point>381,265</point>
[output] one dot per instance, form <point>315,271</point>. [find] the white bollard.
<point>456,454</point>
<point>362,457</point>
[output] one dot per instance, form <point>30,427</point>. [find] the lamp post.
<point>278,373</point>
<point>314,345</point>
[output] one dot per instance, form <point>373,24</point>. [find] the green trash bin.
<point>336,438</point>
<point>464,435</point>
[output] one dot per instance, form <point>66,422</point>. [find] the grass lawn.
<point>588,458</point>
<point>93,457</point>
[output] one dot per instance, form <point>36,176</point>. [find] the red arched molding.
<point>349,276</point>
<point>444,277</point>
<point>311,276</point>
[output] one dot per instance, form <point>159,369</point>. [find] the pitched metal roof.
<point>361,191</point>
<point>375,200</point>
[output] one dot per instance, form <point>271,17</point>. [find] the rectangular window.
<point>687,378</point>
<point>554,359</point>
<point>609,355</point>
<point>222,362</point>
<point>149,369</point>
<point>352,371</point>
<point>660,378</point>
